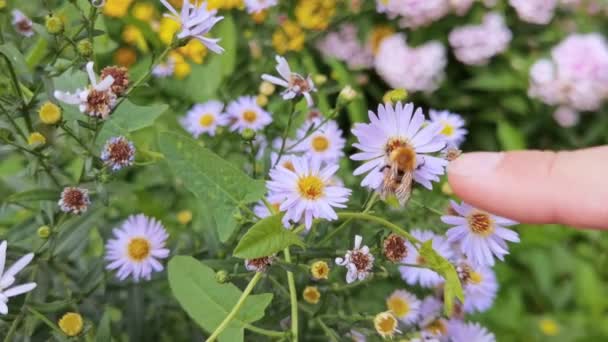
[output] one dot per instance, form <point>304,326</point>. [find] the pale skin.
<point>569,187</point>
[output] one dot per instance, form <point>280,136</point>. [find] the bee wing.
<point>404,190</point>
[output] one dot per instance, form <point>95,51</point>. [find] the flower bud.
<point>319,79</point>
<point>71,324</point>
<point>261,100</point>
<point>44,232</point>
<point>395,95</point>
<point>36,139</point>
<point>267,88</point>
<point>184,217</point>
<point>53,24</point>
<point>85,48</point>
<point>222,276</point>
<point>248,134</point>
<point>347,95</point>
<point>49,113</point>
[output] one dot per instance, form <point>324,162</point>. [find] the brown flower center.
<point>394,248</point>
<point>300,82</point>
<point>360,260</point>
<point>24,25</point>
<point>481,223</point>
<point>120,151</point>
<point>99,103</point>
<point>74,198</point>
<point>121,78</point>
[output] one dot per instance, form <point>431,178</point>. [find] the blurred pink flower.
<point>471,44</point>
<point>345,46</point>
<point>534,11</point>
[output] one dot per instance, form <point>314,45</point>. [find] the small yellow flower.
<point>125,56</point>
<point>395,95</point>
<point>184,217</point>
<point>266,88</point>
<point>132,34</point>
<point>288,37</point>
<point>36,139</point>
<point>225,4</point>
<point>49,113</point>
<point>2,4</point>
<point>377,36</point>
<point>182,67</point>
<point>548,327</point>
<point>385,324</point>
<point>194,50</point>
<point>167,29</point>
<point>71,324</point>
<point>319,79</point>
<point>311,294</point>
<point>261,100</point>
<point>319,270</point>
<point>144,11</point>
<point>116,8</point>
<point>315,14</point>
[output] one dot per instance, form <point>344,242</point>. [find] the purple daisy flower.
<point>136,248</point>
<point>480,286</point>
<point>459,331</point>
<point>480,236</point>
<point>453,130</point>
<point>419,275</point>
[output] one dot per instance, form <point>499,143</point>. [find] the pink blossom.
<point>471,44</point>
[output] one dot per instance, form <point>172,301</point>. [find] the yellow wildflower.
<point>125,56</point>
<point>319,270</point>
<point>225,4</point>
<point>184,217</point>
<point>315,14</point>
<point>194,50</point>
<point>116,8</point>
<point>168,28</point>
<point>36,139</point>
<point>182,68</point>
<point>49,113</point>
<point>548,327</point>
<point>144,11</point>
<point>71,324</point>
<point>385,324</point>
<point>288,37</point>
<point>132,34</point>
<point>311,294</point>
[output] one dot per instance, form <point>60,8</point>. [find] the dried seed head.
<point>100,103</point>
<point>259,264</point>
<point>74,200</point>
<point>394,248</point>
<point>118,152</point>
<point>121,78</point>
<point>362,261</point>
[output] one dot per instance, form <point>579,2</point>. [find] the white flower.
<point>481,236</point>
<point>453,124</point>
<point>255,6</point>
<point>22,23</point>
<point>325,144</point>
<point>7,279</point>
<point>295,83</point>
<point>306,192</point>
<point>404,305</point>
<point>422,276</point>
<point>136,248</point>
<point>97,100</point>
<point>204,118</point>
<point>196,22</point>
<point>244,112</point>
<point>358,261</point>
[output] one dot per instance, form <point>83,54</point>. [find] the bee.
<point>398,173</point>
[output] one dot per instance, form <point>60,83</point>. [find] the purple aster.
<point>459,331</point>
<point>480,236</point>
<point>480,286</point>
<point>419,275</point>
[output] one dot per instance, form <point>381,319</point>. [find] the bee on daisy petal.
<point>420,275</point>
<point>137,248</point>
<point>295,84</point>
<point>480,236</point>
<point>396,147</point>
<point>204,118</point>
<point>358,261</point>
<point>244,112</point>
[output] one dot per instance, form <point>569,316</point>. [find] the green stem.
<point>14,78</point>
<point>334,232</point>
<point>367,217</point>
<point>293,298</point>
<point>330,333</point>
<point>14,123</point>
<point>71,133</point>
<point>285,134</point>
<point>438,212</point>
<point>40,158</point>
<point>256,278</point>
<point>45,320</point>
<point>266,332</point>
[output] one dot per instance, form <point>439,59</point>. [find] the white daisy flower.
<point>419,275</point>
<point>97,100</point>
<point>404,305</point>
<point>204,118</point>
<point>452,125</point>
<point>7,278</point>
<point>296,84</point>
<point>481,236</point>
<point>459,331</point>
<point>325,144</point>
<point>396,147</point>
<point>137,247</point>
<point>306,192</point>
<point>480,286</point>
<point>358,261</point>
<point>256,6</point>
<point>244,112</point>
<point>196,21</point>
<point>22,23</point>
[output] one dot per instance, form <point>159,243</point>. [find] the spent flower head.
<point>74,200</point>
<point>358,261</point>
<point>118,153</point>
<point>295,84</point>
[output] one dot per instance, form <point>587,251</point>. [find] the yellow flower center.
<point>311,294</point>
<point>139,249</point>
<point>49,113</point>
<point>184,216</point>
<point>250,116</point>
<point>437,327</point>
<point>206,120</point>
<point>320,143</point>
<point>311,187</point>
<point>448,130</point>
<point>481,223</point>
<point>319,270</point>
<point>71,324</point>
<point>475,278</point>
<point>385,324</point>
<point>36,139</point>
<point>399,306</point>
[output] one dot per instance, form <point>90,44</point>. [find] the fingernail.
<point>475,164</point>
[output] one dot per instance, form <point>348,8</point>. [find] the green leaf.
<point>129,117</point>
<point>510,137</point>
<point>266,237</point>
<point>496,81</point>
<point>209,302</point>
<point>16,59</point>
<point>33,195</point>
<point>74,233</point>
<point>191,88</point>
<point>226,30</point>
<point>452,287</point>
<point>104,328</point>
<point>357,109</point>
<point>217,182</point>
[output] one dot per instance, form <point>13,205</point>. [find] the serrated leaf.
<point>452,287</point>
<point>209,302</point>
<point>212,179</point>
<point>266,237</point>
<point>33,195</point>
<point>129,117</point>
